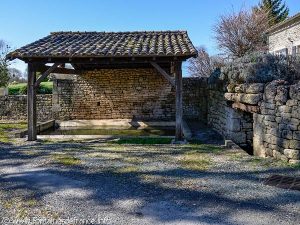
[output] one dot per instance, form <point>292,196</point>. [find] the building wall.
<point>14,107</point>
<point>280,40</point>
<point>136,93</point>
<point>114,94</point>
<point>195,98</point>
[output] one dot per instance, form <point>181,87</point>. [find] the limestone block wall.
<point>14,107</point>
<point>232,124</point>
<point>135,93</point>
<point>276,117</point>
<point>195,95</point>
<point>114,94</point>
<point>277,126</point>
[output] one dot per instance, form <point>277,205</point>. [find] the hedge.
<point>21,89</point>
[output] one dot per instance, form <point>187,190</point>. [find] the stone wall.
<point>195,95</point>
<point>108,94</point>
<point>232,124</point>
<point>277,126</point>
<point>14,107</point>
<point>276,112</point>
<point>114,94</point>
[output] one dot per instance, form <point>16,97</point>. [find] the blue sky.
<point>23,21</point>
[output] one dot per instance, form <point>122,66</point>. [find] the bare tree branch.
<point>240,33</point>
<point>203,65</point>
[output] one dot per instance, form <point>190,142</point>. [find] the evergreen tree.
<point>276,9</point>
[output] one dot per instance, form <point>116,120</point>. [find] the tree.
<point>240,33</point>
<point>276,9</point>
<point>204,64</point>
<point>4,73</point>
<point>16,75</point>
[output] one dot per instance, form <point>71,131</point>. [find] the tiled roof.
<point>285,24</point>
<point>109,44</point>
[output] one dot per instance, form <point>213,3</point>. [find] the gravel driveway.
<point>107,183</point>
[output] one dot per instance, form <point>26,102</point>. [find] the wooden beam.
<point>178,85</point>
<point>43,68</point>
<point>164,73</point>
<point>45,74</point>
<point>31,103</point>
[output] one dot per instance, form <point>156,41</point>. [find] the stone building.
<point>284,38</point>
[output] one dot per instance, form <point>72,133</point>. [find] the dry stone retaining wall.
<point>276,115</point>
<point>233,124</point>
<point>14,107</point>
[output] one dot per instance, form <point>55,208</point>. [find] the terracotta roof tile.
<point>109,44</point>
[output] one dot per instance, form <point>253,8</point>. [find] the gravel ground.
<point>104,183</point>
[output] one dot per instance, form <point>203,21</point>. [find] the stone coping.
<point>40,127</point>
<point>111,123</point>
<point>87,137</point>
<point>123,123</point>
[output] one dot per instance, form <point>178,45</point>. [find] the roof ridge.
<point>117,32</point>
<point>290,19</point>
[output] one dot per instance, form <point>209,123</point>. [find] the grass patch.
<point>111,156</point>
<point>203,148</point>
<point>20,205</point>
<point>143,141</point>
<point>7,128</point>
<point>133,160</point>
<point>235,156</point>
<point>32,153</point>
<point>195,161</point>
<point>21,89</point>
<point>270,162</point>
<point>67,160</point>
<point>127,169</point>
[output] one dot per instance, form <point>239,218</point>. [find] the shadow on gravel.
<point>165,204</point>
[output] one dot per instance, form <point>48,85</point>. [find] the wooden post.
<point>178,84</point>
<point>31,103</point>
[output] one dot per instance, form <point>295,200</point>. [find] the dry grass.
<point>196,161</point>
<point>6,130</point>
<point>127,169</point>
<point>66,159</point>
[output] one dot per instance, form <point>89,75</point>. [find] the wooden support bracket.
<point>46,73</point>
<point>164,73</point>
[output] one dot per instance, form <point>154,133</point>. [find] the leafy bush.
<point>21,89</point>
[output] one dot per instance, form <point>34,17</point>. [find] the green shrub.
<point>21,89</point>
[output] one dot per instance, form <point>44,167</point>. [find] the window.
<point>298,50</point>
<point>282,52</point>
